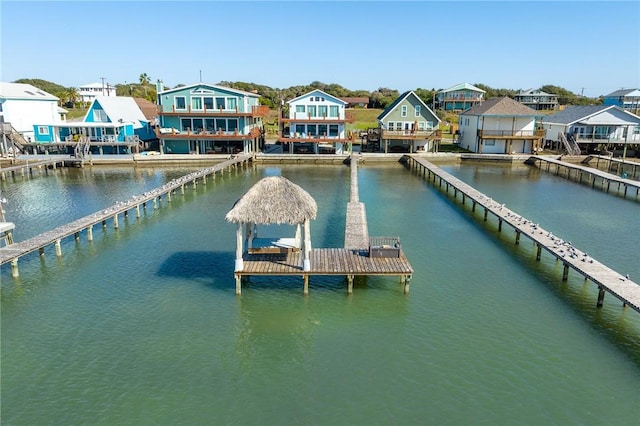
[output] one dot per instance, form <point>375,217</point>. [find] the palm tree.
<point>144,81</point>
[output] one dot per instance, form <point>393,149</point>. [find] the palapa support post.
<point>600,297</point>
<point>350,284</point>
<point>305,288</point>
<point>405,282</point>
<point>239,262</point>
<point>306,264</point>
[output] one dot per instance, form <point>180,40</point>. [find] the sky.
<point>587,47</point>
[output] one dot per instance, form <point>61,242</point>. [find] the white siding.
<point>23,114</point>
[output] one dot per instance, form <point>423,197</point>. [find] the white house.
<point>89,92</point>
<point>23,105</point>
<point>499,126</point>
<point>592,127</point>
<point>315,124</point>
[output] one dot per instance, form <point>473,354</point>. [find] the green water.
<point>142,326</point>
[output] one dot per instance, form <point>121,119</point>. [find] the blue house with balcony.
<point>112,125</point>
<point>627,99</point>
<point>209,119</point>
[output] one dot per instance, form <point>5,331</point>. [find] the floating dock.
<point>607,280</point>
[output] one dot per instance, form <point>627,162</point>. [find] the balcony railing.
<point>323,138</point>
<point>348,118</point>
<point>207,134</point>
<point>410,134</point>
<point>488,134</point>
<point>256,111</point>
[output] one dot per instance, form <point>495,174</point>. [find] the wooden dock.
<point>27,169</point>
<point>588,175</point>
<point>354,259</point>
<point>607,280</point>
<point>631,168</point>
<point>11,253</point>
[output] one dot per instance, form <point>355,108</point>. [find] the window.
<point>333,111</point>
<point>220,104</point>
<point>322,129</point>
<point>196,103</point>
<point>398,125</point>
<point>429,125</point>
<point>420,125</point>
<point>300,108</point>
<point>333,130</point>
<point>300,129</point>
<point>390,126</point>
<point>312,130</point>
<point>208,102</point>
<point>311,109</point>
<point>322,111</point>
<point>43,130</point>
<point>100,116</point>
<point>232,103</point>
<point>186,124</point>
<point>221,124</point>
<point>232,124</point>
<point>636,130</point>
<point>403,112</point>
<point>209,124</point>
<point>417,111</point>
<point>180,102</point>
<point>197,125</point>
<point>490,142</point>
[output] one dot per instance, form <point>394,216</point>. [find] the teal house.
<point>112,125</point>
<point>209,119</point>
<point>459,97</point>
<point>408,125</point>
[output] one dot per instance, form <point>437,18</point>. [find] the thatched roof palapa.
<point>274,200</point>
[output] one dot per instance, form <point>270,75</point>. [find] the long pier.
<point>608,161</point>
<point>28,168</point>
<point>11,253</point>
<point>607,280</point>
<point>354,259</point>
<point>594,177</point>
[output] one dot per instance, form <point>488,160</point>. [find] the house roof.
<point>401,98</point>
<point>356,99</point>
<point>462,86</point>
<point>119,108</point>
<point>504,106</point>
<point>215,86</point>
<point>592,115</point>
<point>338,100</point>
<point>621,92</point>
<point>148,108</point>
<point>94,86</point>
<point>24,91</point>
<point>534,92</point>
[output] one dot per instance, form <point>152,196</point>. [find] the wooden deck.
<point>594,177</point>
<point>13,252</point>
<point>352,260</point>
<point>325,261</point>
<point>618,285</point>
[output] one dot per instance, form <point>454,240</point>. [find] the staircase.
<point>570,144</point>
<point>17,140</point>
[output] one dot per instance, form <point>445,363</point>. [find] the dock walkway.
<point>28,168</point>
<point>633,167</point>
<point>11,253</point>
<point>589,175</point>
<point>356,231</point>
<point>620,286</point>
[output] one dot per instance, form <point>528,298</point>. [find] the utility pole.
<point>102,78</point>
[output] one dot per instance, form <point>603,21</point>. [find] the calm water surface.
<point>142,326</point>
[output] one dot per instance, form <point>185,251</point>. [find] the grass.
<point>76,112</point>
